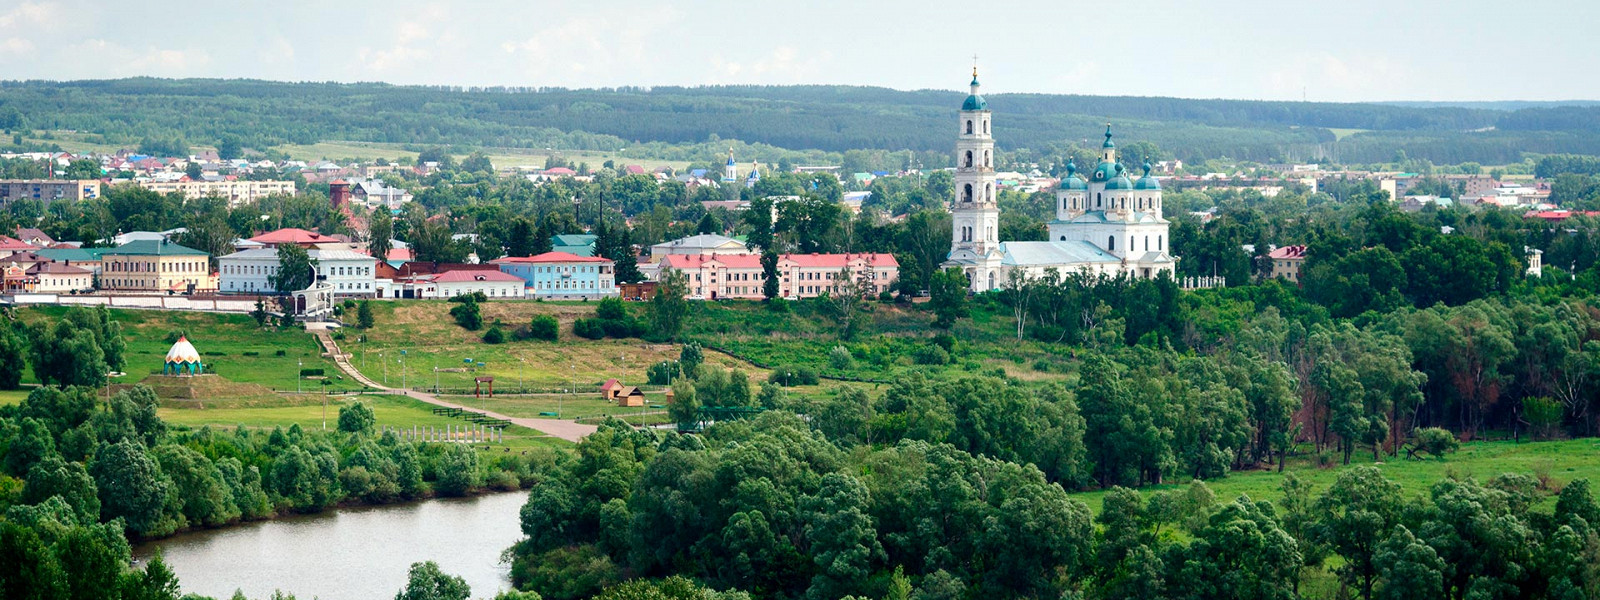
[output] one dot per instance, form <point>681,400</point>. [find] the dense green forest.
<point>261,114</point>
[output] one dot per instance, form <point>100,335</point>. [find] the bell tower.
<point>975,215</point>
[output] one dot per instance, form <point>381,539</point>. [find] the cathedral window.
<point>969,127</point>
<point>1111,243</point>
<point>1097,199</point>
<point>986,126</point>
<point>969,160</point>
<point>966,193</point>
<point>1158,242</point>
<point>988,161</point>
<point>1147,243</point>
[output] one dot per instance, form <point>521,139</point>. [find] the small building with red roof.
<point>456,282</point>
<point>1287,261</point>
<point>562,275</point>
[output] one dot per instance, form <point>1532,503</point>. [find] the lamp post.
<point>299,373</point>
<point>403,370</point>
<point>383,358</point>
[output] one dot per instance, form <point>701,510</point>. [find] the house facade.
<point>236,192</point>
<point>58,278</point>
<point>741,276</point>
<point>155,266</point>
<point>562,276</point>
<point>1287,261</point>
<point>351,274</point>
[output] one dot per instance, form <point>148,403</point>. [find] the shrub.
<point>930,355</point>
<point>466,314</point>
<point>611,309</point>
<point>494,336</point>
<point>280,353</point>
<point>310,372</point>
<point>1041,365</point>
<point>588,328</point>
<point>544,327</point>
<point>946,341</point>
<point>1434,441</point>
<point>172,336</point>
<point>839,358</point>
<point>473,297</point>
<point>793,375</point>
<point>250,353</point>
<point>364,315</point>
<point>356,418</point>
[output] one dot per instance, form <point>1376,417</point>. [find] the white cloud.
<point>30,14</point>
<point>610,45</point>
<point>785,64</point>
<point>413,40</point>
<point>15,45</point>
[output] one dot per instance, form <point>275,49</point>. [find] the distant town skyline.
<point>1361,50</point>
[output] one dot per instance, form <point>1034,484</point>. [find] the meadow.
<point>231,346</point>
<point>398,412</point>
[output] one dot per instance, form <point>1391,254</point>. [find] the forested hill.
<point>830,118</point>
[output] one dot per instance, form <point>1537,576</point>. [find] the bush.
<point>1041,365</point>
<point>1434,441</point>
<point>690,358</point>
<point>310,372</point>
<point>930,355</point>
<point>474,297</point>
<point>250,353</point>
<point>466,314</point>
<point>172,336</point>
<point>792,375</point>
<point>280,353</point>
<point>544,327</point>
<point>364,315</point>
<point>946,341</point>
<point>839,358</point>
<point>356,418</point>
<point>494,336</point>
<point>588,328</point>
<point>611,309</point>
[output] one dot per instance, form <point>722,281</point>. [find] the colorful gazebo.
<point>182,359</point>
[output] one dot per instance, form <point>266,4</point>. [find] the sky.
<point>1344,51</point>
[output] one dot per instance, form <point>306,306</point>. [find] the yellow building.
<point>155,266</point>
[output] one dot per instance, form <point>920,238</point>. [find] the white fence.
<point>208,304</point>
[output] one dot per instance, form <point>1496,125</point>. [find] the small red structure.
<point>339,192</point>
<point>477,391</point>
<point>609,390</point>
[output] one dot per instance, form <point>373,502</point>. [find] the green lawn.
<point>1342,133</point>
<point>224,342</point>
<point>1561,461</point>
<point>13,396</point>
<point>393,411</point>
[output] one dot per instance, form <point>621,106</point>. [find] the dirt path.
<point>566,430</point>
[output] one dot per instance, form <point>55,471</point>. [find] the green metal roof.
<point>154,248</point>
<point>1147,182</point>
<point>1072,181</point>
<point>975,102</point>
<point>72,254</point>
<point>1119,182</point>
<point>1105,171</point>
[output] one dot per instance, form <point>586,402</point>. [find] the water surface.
<point>351,554</point>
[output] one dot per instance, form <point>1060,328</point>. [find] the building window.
<point>969,127</point>
<point>1111,243</point>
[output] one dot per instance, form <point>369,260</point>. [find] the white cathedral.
<point>1107,225</point>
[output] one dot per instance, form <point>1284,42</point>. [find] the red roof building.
<point>1287,261</point>
<point>298,237</point>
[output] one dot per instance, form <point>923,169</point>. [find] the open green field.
<point>1342,133</point>
<point>425,331</point>
<point>1560,461</point>
<point>231,346</point>
<point>393,411</point>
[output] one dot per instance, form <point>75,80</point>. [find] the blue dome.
<point>1120,182</point>
<point>975,102</point>
<point>1105,171</point>
<point>1072,181</point>
<point>1147,182</point>
<point>1108,143</point>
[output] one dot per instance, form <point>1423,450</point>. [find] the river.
<point>350,554</point>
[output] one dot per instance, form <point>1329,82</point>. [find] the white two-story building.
<point>250,271</point>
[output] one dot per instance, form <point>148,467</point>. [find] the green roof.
<point>975,102</point>
<point>154,248</point>
<point>72,254</point>
<point>572,239</point>
<point>583,250</point>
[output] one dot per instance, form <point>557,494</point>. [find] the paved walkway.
<point>566,430</point>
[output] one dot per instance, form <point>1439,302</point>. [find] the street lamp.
<point>403,370</point>
<point>299,374</point>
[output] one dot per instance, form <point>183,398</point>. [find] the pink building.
<point>716,277</point>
